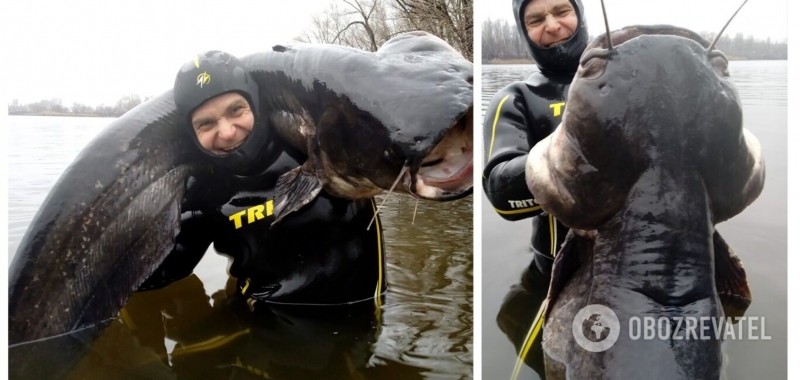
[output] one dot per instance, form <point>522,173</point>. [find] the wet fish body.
<point>651,154</point>
<point>105,226</point>
<point>77,264</point>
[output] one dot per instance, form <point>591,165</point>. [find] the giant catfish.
<point>650,156</point>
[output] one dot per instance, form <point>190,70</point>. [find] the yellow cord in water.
<point>378,289</point>
<point>532,334</point>
<point>212,343</point>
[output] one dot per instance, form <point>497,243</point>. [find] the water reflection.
<point>428,309</point>
<point>516,320</point>
<point>219,337</point>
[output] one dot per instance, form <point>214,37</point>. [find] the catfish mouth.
<point>619,37</point>
<point>593,63</point>
<point>597,54</point>
<point>445,173</point>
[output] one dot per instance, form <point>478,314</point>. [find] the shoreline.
<point>48,113</point>
<point>524,61</point>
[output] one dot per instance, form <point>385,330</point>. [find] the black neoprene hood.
<point>211,74</point>
<point>564,58</point>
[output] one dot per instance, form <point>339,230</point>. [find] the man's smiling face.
<point>550,22</point>
<point>223,123</point>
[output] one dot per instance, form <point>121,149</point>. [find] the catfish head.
<point>441,171</point>
<point>657,96</point>
<point>399,119</point>
<point>431,127</point>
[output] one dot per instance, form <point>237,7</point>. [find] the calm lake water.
<point>188,330</point>
<point>757,235</point>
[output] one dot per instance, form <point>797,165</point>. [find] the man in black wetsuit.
<point>523,113</point>
<point>322,254</point>
<point>520,115</point>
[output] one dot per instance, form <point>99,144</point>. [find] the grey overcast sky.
<point>96,51</point>
<point>761,18</point>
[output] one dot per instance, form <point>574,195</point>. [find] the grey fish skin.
<point>107,223</point>
<point>651,154</point>
<point>415,85</point>
<point>361,116</point>
<point>650,260</point>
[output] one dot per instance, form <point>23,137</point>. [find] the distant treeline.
<point>502,44</point>
<point>54,107</point>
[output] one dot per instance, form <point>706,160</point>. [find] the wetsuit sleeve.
<point>507,137</point>
<point>192,242</point>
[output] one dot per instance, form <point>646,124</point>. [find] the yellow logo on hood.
<point>203,78</point>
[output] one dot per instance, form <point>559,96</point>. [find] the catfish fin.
<point>576,251</point>
<point>295,189</point>
<point>730,278</point>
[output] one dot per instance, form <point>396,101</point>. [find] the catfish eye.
<point>719,62</point>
